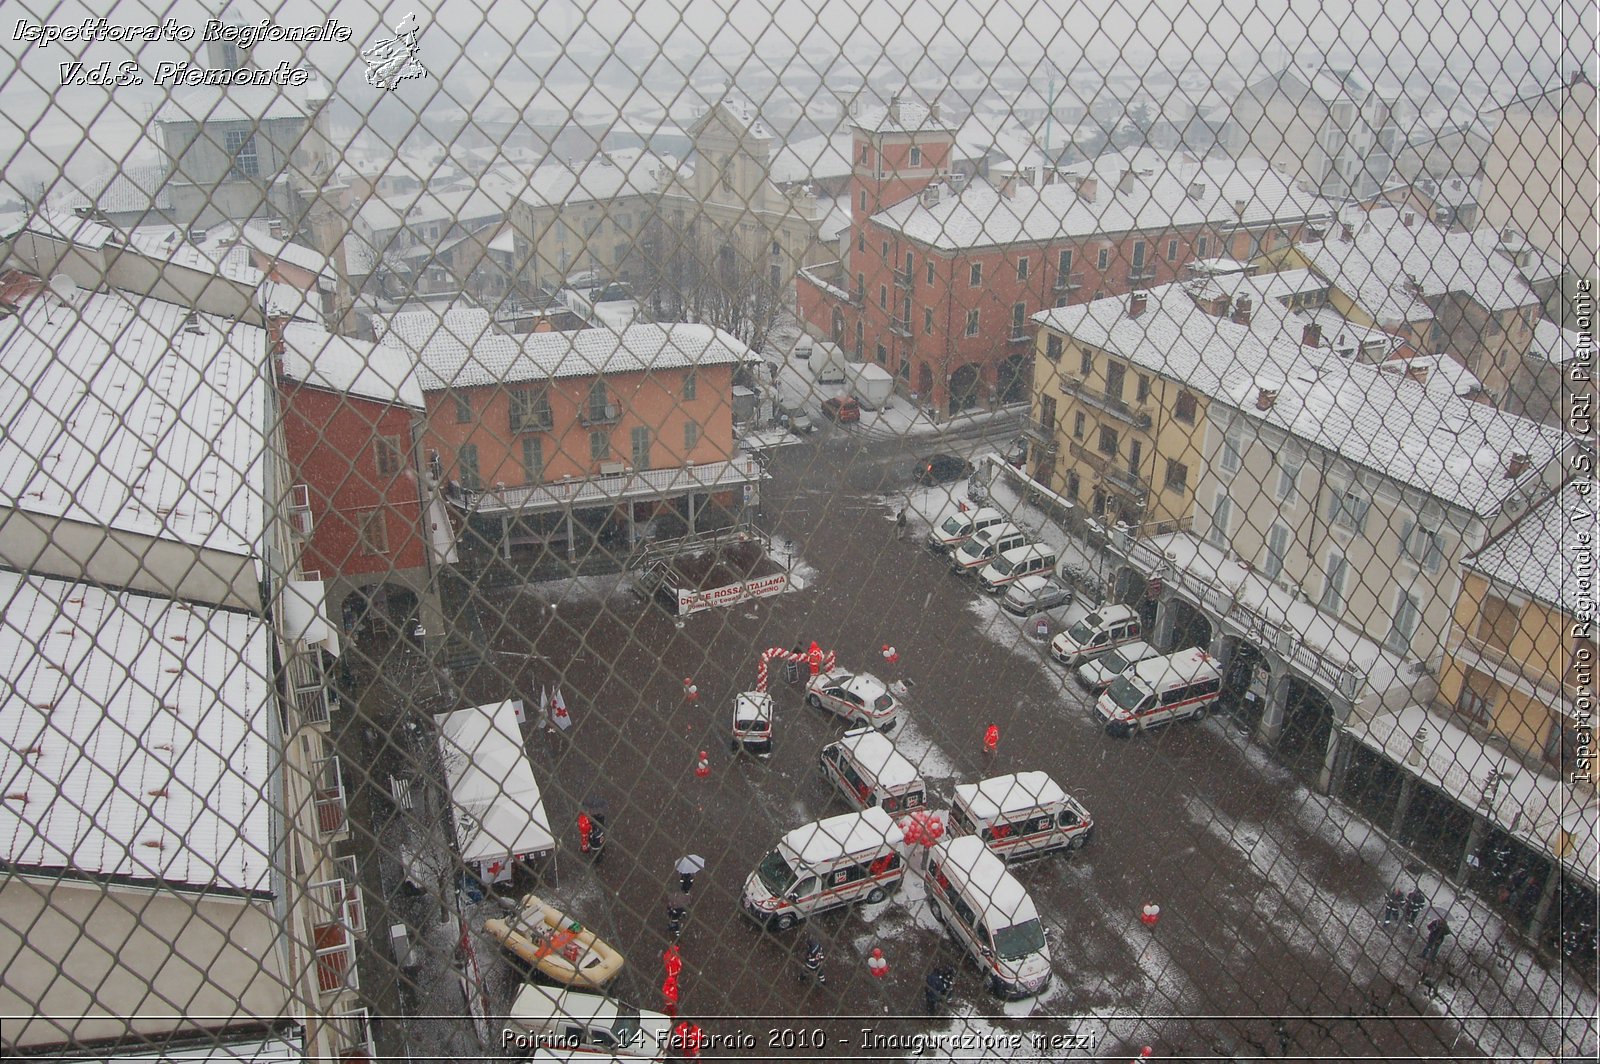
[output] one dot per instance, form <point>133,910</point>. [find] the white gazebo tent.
<point>499,816</point>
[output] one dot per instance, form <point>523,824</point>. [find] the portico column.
<point>1272,713</point>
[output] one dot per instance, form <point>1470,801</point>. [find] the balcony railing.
<point>1110,404</point>
<point>312,698</point>
<point>1093,459</point>
<point>902,279</point>
<point>1511,671</point>
<point>356,1045</point>
<point>301,522</point>
<point>336,959</point>
<point>1039,431</point>
<point>330,799</point>
<point>1019,335</point>
<point>1128,480</point>
<point>900,327</point>
<point>1068,282</point>
<point>1141,275</point>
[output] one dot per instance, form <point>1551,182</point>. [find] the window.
<point>1333,588</point>
<point>916,156</point>
<point>1289,460</point>
<point>530,410</point>
<point>1135,456</point>
<point>1022,268</point>
<point>910,267</point>
<point>1202,247</point>
<point>1138,255</point>
<point>533,459</point>
<point>467,466</point>
<point>1172,250</point>
<point>861,288</point>
<point>1185,408</point>
<point>1142,392</point>
<point>1177,478</point>
<point>600,408</point>
<point>1052,347</point>
<point>883,297</point>
<point>863,202</point>
<point>1116,373</point>
<point>1103,260</point>
<point>640,439</point>
<point>1108,442</point>
<point>691,437</point>
<point>1064,263</point>
<point>1422,541</point>
<point>386,450</point>
<point>463,407</point>
<point>374,532</point>
<point>1232,446</point>
<point>859,335</point>
<point>1019,318</point>
<point>883,250</point>
<point>975,278</point>
<point>1077,425</point>
<point>1085,363</point>
<point>866,154</point>
<point>599,445</point>
<point>1477,697</point>
<point>882,356</point>
<point>972,323</point>
<point>1277,550</point>
<point>1347,508</point>
<point>691,385</point>
<point>1407,616</point>
<point>861,243</point>
<point>1498,621</point>
<point>242,150</point>
<point>1221,518</point>
<point>930,271</point>
<point>927,319</point>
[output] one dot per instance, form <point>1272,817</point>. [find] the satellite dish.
<point>64,287</point>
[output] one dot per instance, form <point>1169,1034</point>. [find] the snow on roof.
<point>743,114</point>
<point>64,225</point>
<point>1556,345</point>
<point>835,215</point>
<point>1529,805</point>
<point>131,187</point>
<point>460,349</point>
<point>137,727</point>
<point>1015,792</point>
<point>823,840</point>
<point>234,103</point>
<point>901,116</point>
<point>131,413</point>
<point>632,172</point>
<point>1161,193</point>
<point>258,236</point>
<point>486,201</point>
<point>171,244</point>
<point>877,754</point>
<point>499,811</point>
<point>386,372</point>
<point>1440,374</point>
<point>1388,267</point>
<point>1005,901</point>
<point>1536,553</point>
<point>819,158</point>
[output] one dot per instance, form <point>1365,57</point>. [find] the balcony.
<point>900,327</point>
<point>1019,335</point>
<point>336,959</point>
<point>594,415</point>
<point>301,523</point>
<point>1066,282</point>
<point>1128,480</point>
<point>1109,404</point>
<point>1093,459</point>
<point>356,1043</point>
<point>329,798</point>
<point>1141,275</point>
<point>1039,431</point>
<point>902,279</point>
<point>1513,673</point>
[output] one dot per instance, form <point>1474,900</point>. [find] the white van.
<point>865,767</point>
<point>1012,565</point>
<point>1023,814</point>
<point>989,914</point>
<point>561,1019</point>
<point>1179,686</point>
<point>954,529</point>
<point>1099,633</point>
<point>824,865</point>
<point>1097,675</point>
<point>985,546</point>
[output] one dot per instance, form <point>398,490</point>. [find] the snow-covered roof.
<point>817,158</point>
<point>131,413</point>
<point>137,728</point>
<point>258,236</point>
<point>484,202</point>
<point>1439,373</point>
<point>823,840</point>
<point>459,348</point>
<point>1536,553</point>
<point>631,172</point>
<point>499,812</point>
<point>741,112</point>
<point>1161,193</point>
<point>131,187</point>
<point>1388,267</point>
<point>235,103</point>
<point>1016,792</point>
<point>1556,345</point>
<point>877,754</point>
<point>171,244</point>
<point>386,372</point>
<point>1005,900</point>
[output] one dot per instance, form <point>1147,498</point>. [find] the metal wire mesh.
<point>463,473</point>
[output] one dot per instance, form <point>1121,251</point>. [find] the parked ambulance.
<point>1181,686</point>
<point>1099,633</point>
<point>1023,814</point>
<point>560,1019</point>
<point>865,767</point>
<point>954,529</point>
<point>989,915</point>
<point>824,865</point>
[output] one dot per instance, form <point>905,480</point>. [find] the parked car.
<point>841,409</point>
<point>798,420</point>
<point>1097,675</point>
<point>938,468</point>
<point>858,697</point>
<point>1035,594</point>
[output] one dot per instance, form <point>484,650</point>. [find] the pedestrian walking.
<point>900,524</point>
<point>672,960</point>
<point>1393,906</point>
<point>1438,928</point>
<point>597,836</point>
<point>669,996</point>
<point>813,963</point>
<point>687,867</point>
<point>677,913</point>
<point>585,833</point>
<point>936,988</point>
<point>1416,901</point>
<point>991,739</point>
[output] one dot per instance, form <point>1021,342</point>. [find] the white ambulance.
<point>1022,814</point>
<point>989,914</point>
<point>865,767</point>
<point>1181,686</point>
<point>954,529</point>
<point>559,1019</point>
<point>824,865</point>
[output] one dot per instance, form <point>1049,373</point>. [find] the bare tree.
<point>704,275</point>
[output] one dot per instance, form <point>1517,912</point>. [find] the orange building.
<point>565,441</point>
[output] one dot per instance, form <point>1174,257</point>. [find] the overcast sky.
<point>564,47</point>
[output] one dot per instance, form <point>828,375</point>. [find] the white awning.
<point>499,813</point>
<point>305,614</point>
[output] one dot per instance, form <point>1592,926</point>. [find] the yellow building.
<point>1120,392</point>
<point>1521,656</point>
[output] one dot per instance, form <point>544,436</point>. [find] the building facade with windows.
<point>1328,128</point>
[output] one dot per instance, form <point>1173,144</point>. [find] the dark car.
<point>938,468</point>
<point>841,408</point>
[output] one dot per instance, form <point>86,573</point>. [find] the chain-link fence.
<point>848,531</point>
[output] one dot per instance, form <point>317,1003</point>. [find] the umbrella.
<point>688,866</point>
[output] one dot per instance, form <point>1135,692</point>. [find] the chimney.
<point>1311,336</point>
<point>1197,189</point>
<point>1125,182</point>
<point>1408,219</point>
<point>1088,188</point>
<point>1136,303</point>
<point>1241,310</point>
<point>1239,205</point>
<point>1008,187</point>
<point>275,227</point>
<point>1418,373</point>
<point>1265,397</point>
<point>1216,306</point>
<point>933,112</point>
<point>1519,464</point>
<point>1347,232</point>
<point>894,108</point>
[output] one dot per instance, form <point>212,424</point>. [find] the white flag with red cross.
<point>558,711</point>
